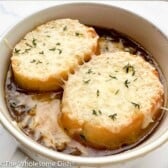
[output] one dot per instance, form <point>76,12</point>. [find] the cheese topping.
<point>50,51</point>
<point>113,88</point>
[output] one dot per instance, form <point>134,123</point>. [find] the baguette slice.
<point>110,100</point>
<point>46,55</point>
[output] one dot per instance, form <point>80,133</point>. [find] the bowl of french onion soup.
<point>85,86</point>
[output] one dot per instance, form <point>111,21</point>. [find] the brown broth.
<point>36,113</point>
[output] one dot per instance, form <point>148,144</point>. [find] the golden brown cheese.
<point>45,56</point>
<point>109,100</point>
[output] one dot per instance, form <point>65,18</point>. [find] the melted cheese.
<point>47,54</point>
<point>104,85</point>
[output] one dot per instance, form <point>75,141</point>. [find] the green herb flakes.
<point>34,42</point>
<point>94,112</point>
<point>135,79</point>
<point>126,83</point>
<point>113,77</point>
<point>64,28</point>
<point>26,50</point>
<point>52,49</point>
<point>28,45</point>
<point>136,105</point>
<point>60,51</point>
<point>33,61</point>
<point>42,52</point>
<point>129,69</point>
<point>113,116</point>
<point>16,50</point>
<point>36,61</point>
<point>99,111</point>
<point>89,71</point>
<point>117,91</point>
<point>86,81</point>
<point>78,34</point>
<point>97,93</point>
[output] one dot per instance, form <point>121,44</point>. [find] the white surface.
<point>12,11</point>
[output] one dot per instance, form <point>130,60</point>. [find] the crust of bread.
<point>43,64</point>
<point>98,131</point>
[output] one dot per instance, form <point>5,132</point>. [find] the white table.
<point>13,11</point>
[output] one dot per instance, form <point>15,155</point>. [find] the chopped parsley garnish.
<point>97,93</point>
<point>89,71</point>
<point>59,50</point>
<point>36,61</point>
<point>113,77</point>
<point>78,34</point>
<point>58,43</point>
<point>28,45</point>
<point>33,61</point>
<point>64,28</point>
<point>26,50</point>
<point>86,81</point>
<point>135,79</point>
<point>48,36</point>
<point>117,92</point>
<point>34,42</point>
<point>42,52</point>
<point>136,105</point>
<point>98,112</point>
<point>94,112</point>
<point>16,50</point>
<point>52,49</point>
<point>129,69</point>
<point>133,73</point>
<point>113,116</point>
<point>126,83</point>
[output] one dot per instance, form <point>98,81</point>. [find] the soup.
<point>37,113</point>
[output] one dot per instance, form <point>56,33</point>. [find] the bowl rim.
<point>54,155</point>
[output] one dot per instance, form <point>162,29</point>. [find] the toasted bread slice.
<point>45,56</point>
<point>111,99</point>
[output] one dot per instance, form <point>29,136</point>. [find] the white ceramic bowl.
<point>106,16</point>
